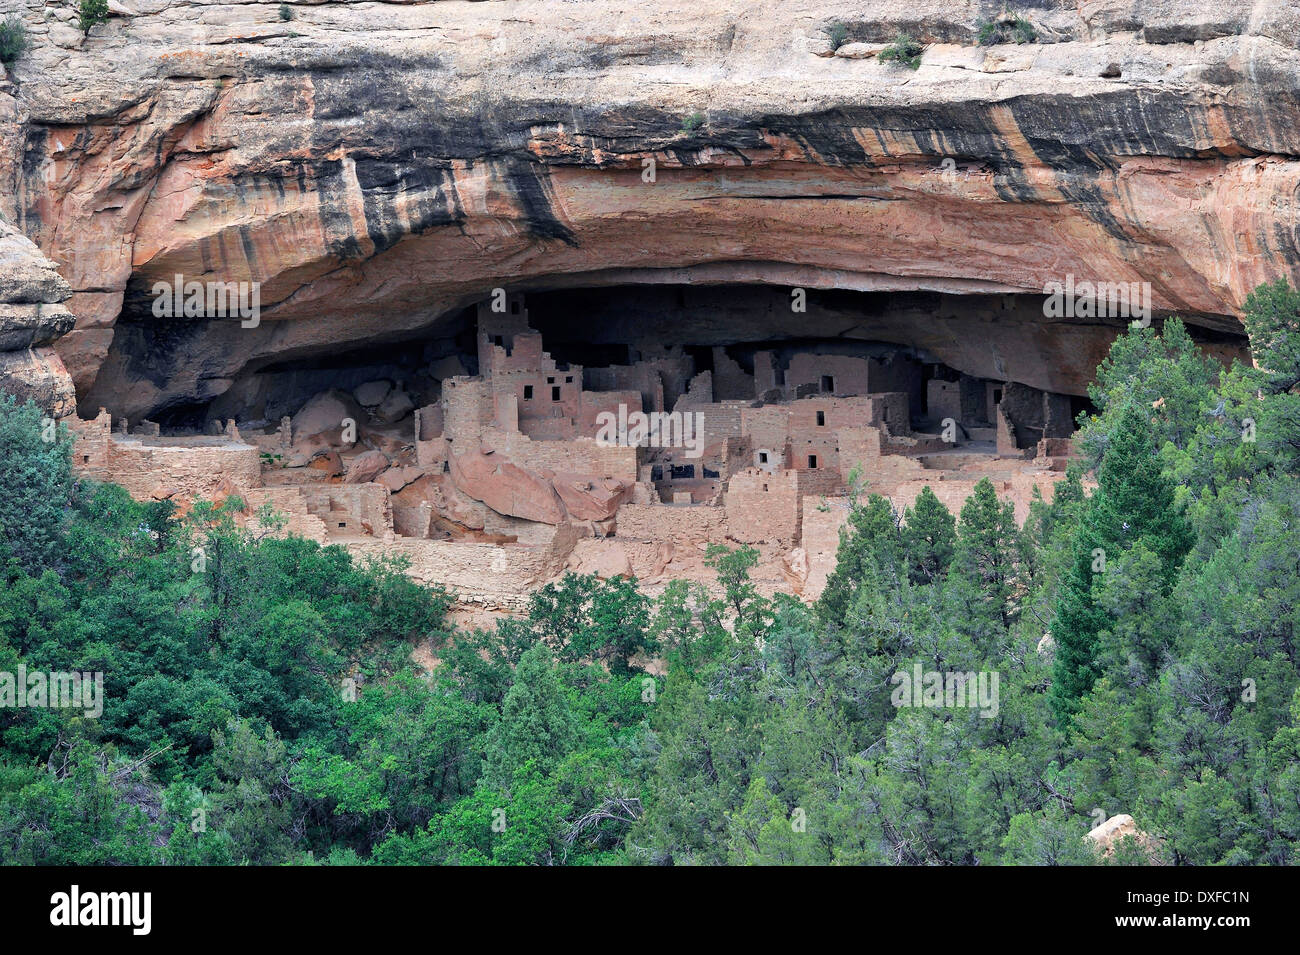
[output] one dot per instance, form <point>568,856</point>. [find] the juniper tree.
<point>871,544</point>
<point>1134,503</point>
<point>35,483</point>
<point>986,553</point>
<point>929,536</point>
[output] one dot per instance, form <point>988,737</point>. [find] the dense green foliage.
<point>904,51</point>
<point>837,33</point>
<point>13,39</point>
<point>262,706</point>
<point>90,12</point>
<point>1012,30</point>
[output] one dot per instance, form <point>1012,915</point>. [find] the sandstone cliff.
<point>375,165</point>
<point>32,317</point>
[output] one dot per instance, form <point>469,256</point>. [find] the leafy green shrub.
<point>904,50</point>
<point>693,122</point>
<point>1015,30</point>
<point>13,39</point>
<point>90,12</point>
<point>286,13</point>
<point>837,33</point>
<point>37,481</point>
<point>1022,31</point>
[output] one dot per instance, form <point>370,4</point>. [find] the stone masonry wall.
<point>155,467</point>
<point>669,522</point>
<point>763,507</point>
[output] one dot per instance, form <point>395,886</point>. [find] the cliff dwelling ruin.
<point>614,430</point>
<point>648,239</point>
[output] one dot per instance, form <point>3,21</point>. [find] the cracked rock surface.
<point>377,166</point>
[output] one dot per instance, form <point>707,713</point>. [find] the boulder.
<point>372,393</point>
<point>397,478</point>
<point>395,407</point>
<point>322,414</point>
<point>506,488</point>
<point>453,505</point>
<point>1106,837</point>
<point>589,498</point>
<point>859,51</point>
<point>37,374</point>
<point>329,462</point>
<point>365,467</point>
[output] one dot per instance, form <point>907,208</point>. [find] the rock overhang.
<point>390,165</point>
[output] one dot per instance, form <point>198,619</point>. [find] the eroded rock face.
<point>590,498</point>
<point>376,166</point>
<point>506,487</point>
<point>366,467</point>
<point>32,317</point>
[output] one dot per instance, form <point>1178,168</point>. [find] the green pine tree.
<point>986,554</point>
<point>929,537</point>
<point>537,722</point>
<point>870,545</point>
<point>1133,502</point>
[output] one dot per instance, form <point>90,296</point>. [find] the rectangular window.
<point>762,457</point>
<point>555,393</point>
<point>821,419</point>
<point>812,461</point>
<point>828,383</point>
<point>528,392</point>
<point>568,379</point>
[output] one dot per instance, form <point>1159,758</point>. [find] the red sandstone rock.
<point>365,467</point>
<point>506,488</point>
<point>396,478</point>
<point>589,498</point>
<point>1186,199</point>
<point>455,506</point>
<point>328,462</point>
